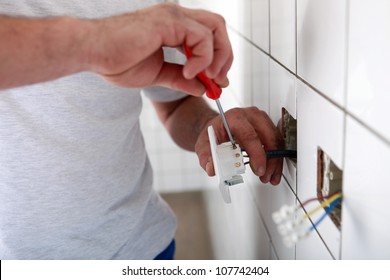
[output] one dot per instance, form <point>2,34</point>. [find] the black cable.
<point>281,153</point>
<point>277,153</point>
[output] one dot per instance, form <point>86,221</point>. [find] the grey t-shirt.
<point>75,179</point>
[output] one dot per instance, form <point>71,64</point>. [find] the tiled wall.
<point>175,169</point>
<point>326,62</point>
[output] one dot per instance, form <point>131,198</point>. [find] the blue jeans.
<point>168,253</point>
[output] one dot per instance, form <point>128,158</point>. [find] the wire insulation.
<point>281,153</point>
<point>327,212</point>
<point>277,153</point>
<point>314,199</point>
<point>325,203</point>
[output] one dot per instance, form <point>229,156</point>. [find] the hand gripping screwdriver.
<point>213,91</point>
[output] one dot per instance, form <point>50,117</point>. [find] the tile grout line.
<point>318,233</point>
<point>296,101</point>
<point>253,196</point>
<point>269,27</point>
<point>251,54</point>
<point>350,114</point>
<point>296,37</point>
<point>268,55</point>
<point>346,87</point>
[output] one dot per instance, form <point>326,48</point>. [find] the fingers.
<point>200,40</point>
<point>202,149</point>
<point>254,131</point>
<point>249,140</point>
<point>128,52</point>
<point>171,76</point>
<point>271,140</point>
<point>277,174</point>
<point>206,34</point>
<point>223,55</point>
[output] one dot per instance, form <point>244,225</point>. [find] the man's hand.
<point>254,131</point>
<point>187,121</point>
<point>126,50</point>
<point>131,55</point>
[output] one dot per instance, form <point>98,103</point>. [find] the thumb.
<point>171,76</point>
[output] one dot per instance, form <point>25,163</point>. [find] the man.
<point>75,181</point>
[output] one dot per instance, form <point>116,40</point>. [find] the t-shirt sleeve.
<point>162,94</point>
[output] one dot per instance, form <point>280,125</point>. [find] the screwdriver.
<point>213,91</point>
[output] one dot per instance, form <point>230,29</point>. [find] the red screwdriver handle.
<point>213,90</point>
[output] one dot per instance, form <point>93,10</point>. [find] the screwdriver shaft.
<point>225,123</point>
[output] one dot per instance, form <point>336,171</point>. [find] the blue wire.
<point>328,210</point>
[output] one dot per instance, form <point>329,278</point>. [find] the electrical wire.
<point>293,228</point>
<point>330,201</point>
<point>275,154</point>
<point>308,201</point>
<point>327,212</point>
<point>314,199</point>
<point>281,153</point>
<point>326,202</point>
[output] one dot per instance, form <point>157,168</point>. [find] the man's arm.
<point>187,121</point>
<point>39,50</point>
<point>126,50</point>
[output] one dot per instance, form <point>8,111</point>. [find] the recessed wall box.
<point>329,181</point>
<point>288,128</point>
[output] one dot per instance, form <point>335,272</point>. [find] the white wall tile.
<point>365,213</point>
<point>243,16</point>
<point>197,180</point>
<point>260,23</point>
<point>282,92</point>
<point>320,124</point>
<point>174,168</point>
<point>194,177</point>
<point>250,237</point>
<point>269,199</point>
<point>326,239</point>
<point>260,79</point>
<point>283,39</point>
<point>273,256</point>
<point>312,247</point>
<point>220,234</point>
<point>369,57</point>
<point>171,160</point>
<point>240,75</point>
<point>237,13</point>
<point>171,181</point>
<point>237,230</point>
<point>321,29</point>
<point>282,95</point>
<point>190,161</point>
<point>150,140</point>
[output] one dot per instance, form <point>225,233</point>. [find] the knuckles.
<point>253,111</point>
<point>220,19</point>
<point>170,8</point>
<point>249,113</point>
